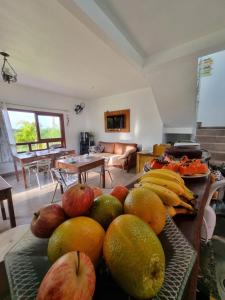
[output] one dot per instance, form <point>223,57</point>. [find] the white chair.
<point>209,218</point>
<point>64,179</point>
<point>29,167</point>
<point>99,171</point>
<point>42,166</point>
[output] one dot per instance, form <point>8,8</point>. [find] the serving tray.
<point>26,264</point>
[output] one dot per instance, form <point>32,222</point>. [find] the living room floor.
<point>26,202</point>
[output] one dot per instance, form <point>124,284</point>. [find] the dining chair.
<point>99,171</point>
<point>42,166</point>
<point>209,218</point>
<point>29,167</point>
<point>64,179</point>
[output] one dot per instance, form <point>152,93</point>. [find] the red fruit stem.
<point>78,265</point>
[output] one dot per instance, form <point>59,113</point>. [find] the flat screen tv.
<point>116,122</point>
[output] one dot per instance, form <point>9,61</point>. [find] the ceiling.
<point>95,48</point>
<point>156,25</point>
<point>53,50</point>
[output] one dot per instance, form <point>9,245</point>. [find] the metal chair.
<point>209,219</point>
<point>64,179</point>
<point>99,170</point>
<point>42,166</point>
<point>29,167</point>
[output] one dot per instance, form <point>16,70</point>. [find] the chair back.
<point>58,175</point>
<point>30,165</point>
<point>106,160</point>
<point>44,162</point>
<point>209,218</point>
<point>160,149</point>
<point>64,178</point>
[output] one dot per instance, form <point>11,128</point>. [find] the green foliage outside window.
<point>26,133</point>
<point>50,133</point>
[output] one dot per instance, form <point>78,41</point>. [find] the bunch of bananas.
<point>170,187</point>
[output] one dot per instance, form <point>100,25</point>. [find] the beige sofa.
<point>121,155</point>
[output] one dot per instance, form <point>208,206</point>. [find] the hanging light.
<point>8,73</point>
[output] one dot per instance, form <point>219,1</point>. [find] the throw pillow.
<point>100,148</point>
<point>92,149</point>
<point>96,149</point>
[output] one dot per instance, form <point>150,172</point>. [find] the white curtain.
<point>7,141</point>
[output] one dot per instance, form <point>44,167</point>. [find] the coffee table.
<point>81,164</point>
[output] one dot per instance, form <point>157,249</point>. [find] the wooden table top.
<point>4,185</point>
<point>80,163</point>
<point>10,237</point>
<point>34,154</point>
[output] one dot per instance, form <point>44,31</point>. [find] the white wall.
<point>211,109</point>
<point>174,86</point>
<point>22,97</point>
<point>145,123</point>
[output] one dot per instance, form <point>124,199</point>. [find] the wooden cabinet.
<point>142,158</point>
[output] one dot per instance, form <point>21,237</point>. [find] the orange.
<point>105,209</point>
<point>147,205</point>
<point>134,256</point>
<point>77,234</point>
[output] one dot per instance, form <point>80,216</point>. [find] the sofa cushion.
<point>119,148</point>
<point>128,152</point>
<point>113,159</point>
<point>108,147</point>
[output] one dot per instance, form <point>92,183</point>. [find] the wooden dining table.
<point>25,158</point>
<point>6,194</point>
<point>191,226</point>
<point>82,164</point>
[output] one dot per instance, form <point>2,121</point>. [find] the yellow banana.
<point>172,176</point>
<point>173,186</point>
<point>172,211</point>
<point>188,194</point>
<point>172,173</point>
<point>167,196</point>
<point>158,173</point>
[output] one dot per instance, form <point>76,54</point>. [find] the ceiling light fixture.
<point>8,73</point>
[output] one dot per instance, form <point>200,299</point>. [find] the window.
<point>37,130</point>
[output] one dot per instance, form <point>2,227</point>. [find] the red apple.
<point>120,192</point>
<point>71,277</point>
<point>77,200</point>
<point>46,220</point>
<point>97,191</point>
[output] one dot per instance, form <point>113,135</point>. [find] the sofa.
<point>121,155</point>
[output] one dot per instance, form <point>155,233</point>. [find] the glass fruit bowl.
<point>26,264</point>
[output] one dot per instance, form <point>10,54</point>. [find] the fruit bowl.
<point>26,264</point>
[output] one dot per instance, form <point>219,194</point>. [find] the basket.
<point>27,263</point>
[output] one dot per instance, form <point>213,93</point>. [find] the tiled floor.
<point>26,202</point>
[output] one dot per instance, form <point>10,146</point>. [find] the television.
<point>116,122</point>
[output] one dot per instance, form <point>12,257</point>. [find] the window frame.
<point>62,140</point>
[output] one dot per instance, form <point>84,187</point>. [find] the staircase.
<point>213,140</point>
